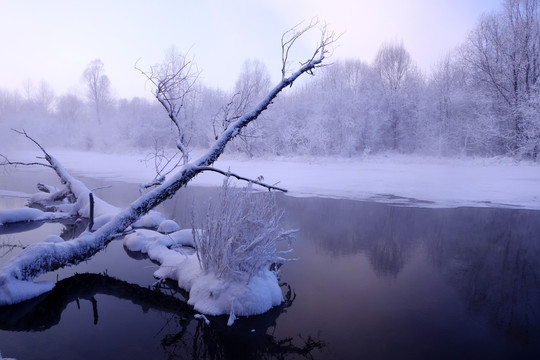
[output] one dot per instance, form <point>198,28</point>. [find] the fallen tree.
<point>172,83</point>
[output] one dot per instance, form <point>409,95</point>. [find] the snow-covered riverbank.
<point>401,179</point>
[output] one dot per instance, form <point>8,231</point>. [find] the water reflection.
<point>375,280</point>
<point>490,256</point>
<point>186,337</point>
<point>496,269</point>
<point>14,237</point>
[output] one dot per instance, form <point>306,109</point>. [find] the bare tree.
<point>174,81</point>
<point>48,256</point>
<point>45,97</point>
<point>70,108</point>
<point>394,65</point>
<point>97,87</point>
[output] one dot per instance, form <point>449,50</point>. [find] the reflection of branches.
<point>387,257</point>
<point>44,312</point>
<point>190,338</point>
<point>248,338</point>
<point>7,246</point>
<point>388,254</point>
<point>493,263</point>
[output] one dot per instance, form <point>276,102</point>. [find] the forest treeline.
<point>482,99</point>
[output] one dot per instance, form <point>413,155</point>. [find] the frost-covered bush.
<point>240,234</point>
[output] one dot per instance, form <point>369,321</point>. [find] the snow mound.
<point>208,293</point>
<point>13,291</point>
<point>144,240</point>
<point>151,220</point>
<point>213,296</point>
<point>53,239</point>
<point>168,226</point>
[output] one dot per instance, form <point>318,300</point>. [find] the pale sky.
<point>54,40</point>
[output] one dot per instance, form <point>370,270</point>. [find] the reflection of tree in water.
<point>491,256</point>
<point>248,338</point>
<point>389,251</point>
<point>493,260</point>
<point>186,336</point>
<point>345,227</point>
<point>8,245</point>
<point>387,257</point>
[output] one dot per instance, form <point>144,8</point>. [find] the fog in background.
<point>480,97</point>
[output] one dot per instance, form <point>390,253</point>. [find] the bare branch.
<point>239,177</point>
<point>321,50</point>
<point>6,161</point>
<point>174,80</point>
<point>164,164</point>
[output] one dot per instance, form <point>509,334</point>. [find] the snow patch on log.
<point>27,215</point>
<point>13,291</point>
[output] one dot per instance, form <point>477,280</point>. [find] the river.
<point>370,280</point>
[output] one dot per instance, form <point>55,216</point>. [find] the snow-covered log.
<point>27,215</point>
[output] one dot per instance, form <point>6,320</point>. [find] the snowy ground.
<point>401,179</point>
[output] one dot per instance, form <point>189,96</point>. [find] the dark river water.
<point>370,281</point>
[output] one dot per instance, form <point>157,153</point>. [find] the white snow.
<point>207,293</point>
<point>168,226</point>
<point>150,220</point>
<point>27,214</point>
<point>53,239</point>
<point>202,317</point>
<point>13,290</point>
<point>498,182</point>
<point>3,358</point>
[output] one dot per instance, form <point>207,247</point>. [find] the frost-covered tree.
<point>98,87</point>
<point>400,79</point>
<point>70,108</point>
<point>253,82</point>
<point>503,55</point>
<point>454,117</point>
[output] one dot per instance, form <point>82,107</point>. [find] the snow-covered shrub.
<point>240,234</point>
